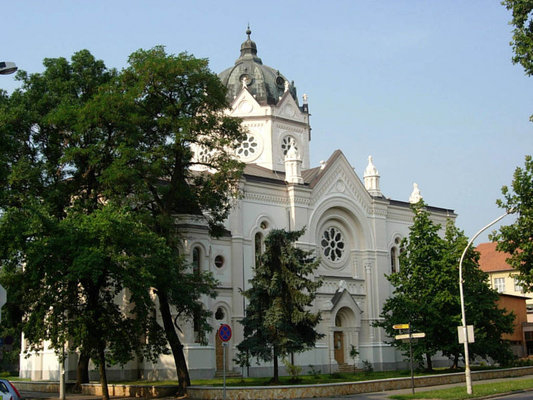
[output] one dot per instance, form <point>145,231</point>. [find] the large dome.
<point>266,84</point>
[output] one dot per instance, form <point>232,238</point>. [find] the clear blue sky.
<point>426,87</point>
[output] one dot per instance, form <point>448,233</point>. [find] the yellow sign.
<point>400,326</point>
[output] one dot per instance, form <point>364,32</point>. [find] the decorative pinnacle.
<point>248,31</point>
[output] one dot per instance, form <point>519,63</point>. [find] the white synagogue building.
<point>351,226</point>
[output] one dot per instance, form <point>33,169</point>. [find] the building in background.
<point>502,278</point>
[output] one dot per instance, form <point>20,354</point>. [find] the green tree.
<point>522,43</point>
<point>278,319</point>
<point>426,294</point>
<point>160,109</point>
<point>490,322</point>
<point>40,123</point>
<point>416,286</point>
<point>51,198</point>
<point>516,238</point>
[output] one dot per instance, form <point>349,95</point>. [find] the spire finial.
<point>248,31</point>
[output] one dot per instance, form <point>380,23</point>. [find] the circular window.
<point>219,261</point>
<point>287,143</point>
<point>332,244</point>
<point>204,154</point>
<point>264,225</point>
<point>219,314</point>
<point>249,148</point>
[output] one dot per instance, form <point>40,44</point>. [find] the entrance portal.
<point>338,342</point>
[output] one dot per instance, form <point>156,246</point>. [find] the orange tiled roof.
<point>490,259</point>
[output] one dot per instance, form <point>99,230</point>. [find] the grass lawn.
<point>316,378</point>
<point>480,390</point>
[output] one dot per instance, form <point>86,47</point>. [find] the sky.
<point>426,87</point>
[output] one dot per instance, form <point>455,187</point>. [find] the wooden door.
<point>338,345</point>
<point>219,352</point>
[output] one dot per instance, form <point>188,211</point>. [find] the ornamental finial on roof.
<point>248,31</point>
<point>416,196</point>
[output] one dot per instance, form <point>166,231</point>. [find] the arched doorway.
<point>344,334</point>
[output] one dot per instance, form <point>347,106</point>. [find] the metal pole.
<point>62,375</point>
<point>468,376</point>
<point>224,368</point>
<point>411,360</point>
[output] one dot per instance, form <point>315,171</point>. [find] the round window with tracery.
<point>204,154</point>
<point>287,143</point>
<point>249,148</point>
<point>333,244</point>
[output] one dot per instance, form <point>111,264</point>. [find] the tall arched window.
<point>196,260</point>
<point>393,260</point>
<point>258,246</point>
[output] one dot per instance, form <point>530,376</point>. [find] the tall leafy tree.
<point>51,198</point>
<point>161,108</point>
<point>517,238</point>
<point>522,11</point>
<point>490,322</point>
<point>416,285</point>
<point>278,319</point>
<point>426,294</point>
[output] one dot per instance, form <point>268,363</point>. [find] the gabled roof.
<point>491,260</point>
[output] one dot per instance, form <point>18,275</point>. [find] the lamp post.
<point>468,376</point>
<point>7,67</point>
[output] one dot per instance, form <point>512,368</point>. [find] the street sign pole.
<point>224,368</point>
<point>224,333</point>
<point>411,360</point>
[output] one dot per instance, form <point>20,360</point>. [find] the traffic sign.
<point>224,332</point>
<point>400,326</point>
<point>470,333</point>
<point>3,299</point>
<point>418,335</point>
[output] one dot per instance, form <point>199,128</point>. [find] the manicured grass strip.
<point>459,392</point>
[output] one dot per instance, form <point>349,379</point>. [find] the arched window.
<point>196,260</point>
<point>393,260</point>
<point>258,246</point>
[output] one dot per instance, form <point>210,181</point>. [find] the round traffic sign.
<point>224,332</point>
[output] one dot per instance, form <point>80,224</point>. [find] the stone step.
<point>229,374</point>
<point>347,368</point>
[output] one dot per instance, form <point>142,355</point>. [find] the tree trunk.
<point>275,379</point>
<point>175,345</point>
<point>101,369</point>
<point>82,371</point>
<point>455,361</point>
<point>428,362</point>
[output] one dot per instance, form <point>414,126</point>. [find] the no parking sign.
<point>224,332</point>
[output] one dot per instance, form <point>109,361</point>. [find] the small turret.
<point>371,178</point>
<point>293,167</point>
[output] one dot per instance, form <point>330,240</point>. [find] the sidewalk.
<point>363,396</point>
<point>387,394</point>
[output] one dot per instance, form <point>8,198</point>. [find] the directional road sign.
<point>418,335</point>
<point>400,326</point>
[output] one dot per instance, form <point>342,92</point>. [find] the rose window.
<point>287,143</point>
<point>204,155</point>
<point>248,147</point>
<point>332,243</point>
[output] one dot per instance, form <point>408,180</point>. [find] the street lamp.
<point>7,67</point>
<point>468,376</point>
